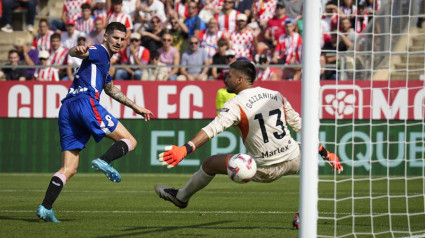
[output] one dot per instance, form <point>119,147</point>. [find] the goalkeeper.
<point>261,117</point>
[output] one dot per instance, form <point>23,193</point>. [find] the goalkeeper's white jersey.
<point>261,116</point>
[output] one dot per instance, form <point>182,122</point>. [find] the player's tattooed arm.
<point>116,94</point>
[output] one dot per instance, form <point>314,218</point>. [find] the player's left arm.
<point>119,96</point>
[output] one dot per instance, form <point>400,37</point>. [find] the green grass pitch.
<point>92,206</point>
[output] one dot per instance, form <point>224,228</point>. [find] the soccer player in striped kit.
<point>81,116</point>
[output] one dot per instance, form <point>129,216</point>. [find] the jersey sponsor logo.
<point>93,47</point>
<point>274,152</point>
<point>224,109</point>
<point>78,90</point>
<point>259,97</point>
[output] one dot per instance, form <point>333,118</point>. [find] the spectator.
<point>326,74</point>
<point>263,11</point>
<point>348,34</point>
<point>179,32</point>
<point>180,7</point>
<point>14,73</point>
<point>42,39</point>
<point>95,37</point>
<point>85,23</point>
<point>69,38</point>
<point>210,36</point>
<point>130,7</point>
<point>43,74</point>
<point>274,29</point>
<point>362,18</point>
<point>265,73</point>
<point>151,38</point>
<point>58,57</point>
<point>10,5</point>
<point>158,73</point>
<point>220,59</point>
<point>244,6</point>
<point>193,22</point>
<point>194,56</point>
<point>349,10</point>
<point>27,55</point>
<point>242,40</point>
<point>169,56</point>
<point>373,6</point>
<point>146,11</point>
<point>227,18</point>
<point>118,15</point>
<point>210,8</point>
<point>71,10</point>
<point>134,54</point>
<point>100,11</point>
<point>288,50</point>
<point>230,57</point>
<point>293,7</point>
<point>75,62</point>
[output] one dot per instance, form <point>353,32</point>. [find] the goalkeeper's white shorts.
<point>271,173</point>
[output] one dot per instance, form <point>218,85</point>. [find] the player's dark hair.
<point>85,6</point>
<point>246,68</point>
<point>55,36</point>
<point>115,26</point>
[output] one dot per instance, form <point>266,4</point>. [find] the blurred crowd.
<point>200,37</point>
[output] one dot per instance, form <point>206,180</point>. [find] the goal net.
<point>372,116</point>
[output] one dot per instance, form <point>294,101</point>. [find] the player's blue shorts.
<point>81,117</point>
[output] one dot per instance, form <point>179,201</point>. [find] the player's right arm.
<point>79,51</point>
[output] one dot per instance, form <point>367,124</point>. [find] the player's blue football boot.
<point>107,169</point>
<point>46,214</point>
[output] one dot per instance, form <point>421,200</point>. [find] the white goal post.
<point>372,115</point>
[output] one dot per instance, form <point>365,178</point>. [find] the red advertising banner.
<point>195,100</point>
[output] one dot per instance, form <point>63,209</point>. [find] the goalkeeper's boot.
<point>107,169</point>
<point>46,214</point>
<point>170,194</point>
<point>296,221</point>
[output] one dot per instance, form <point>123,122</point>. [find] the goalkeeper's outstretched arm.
<point>331,158</point>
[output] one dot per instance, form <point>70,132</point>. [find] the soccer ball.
<point>241,168</point>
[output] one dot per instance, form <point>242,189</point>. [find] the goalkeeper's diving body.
<point>261,117</point>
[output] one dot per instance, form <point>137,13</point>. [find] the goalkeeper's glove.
<point>331,158</point>
<point>174,154</point>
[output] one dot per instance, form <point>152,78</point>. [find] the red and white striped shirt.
<point>100,13</point>
<point>242,43</point>
<point>58,57</point>
<point>42,42</point>
<point>122,17</point>
<point>181,10</point>
<point>290,46</point>
<point>46,74</point>
<point>227,22</point>
<point>72,8</point>
<point>265,74</point>
<point>125,56</point>
<point>84,25</point>
<point>264,9</point>
<point>209,41</point>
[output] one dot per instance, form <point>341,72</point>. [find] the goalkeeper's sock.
<point>55,187</point>
<point>116,151</point>
<point>197,182</point>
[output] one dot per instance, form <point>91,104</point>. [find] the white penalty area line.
<point>157,212</point>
